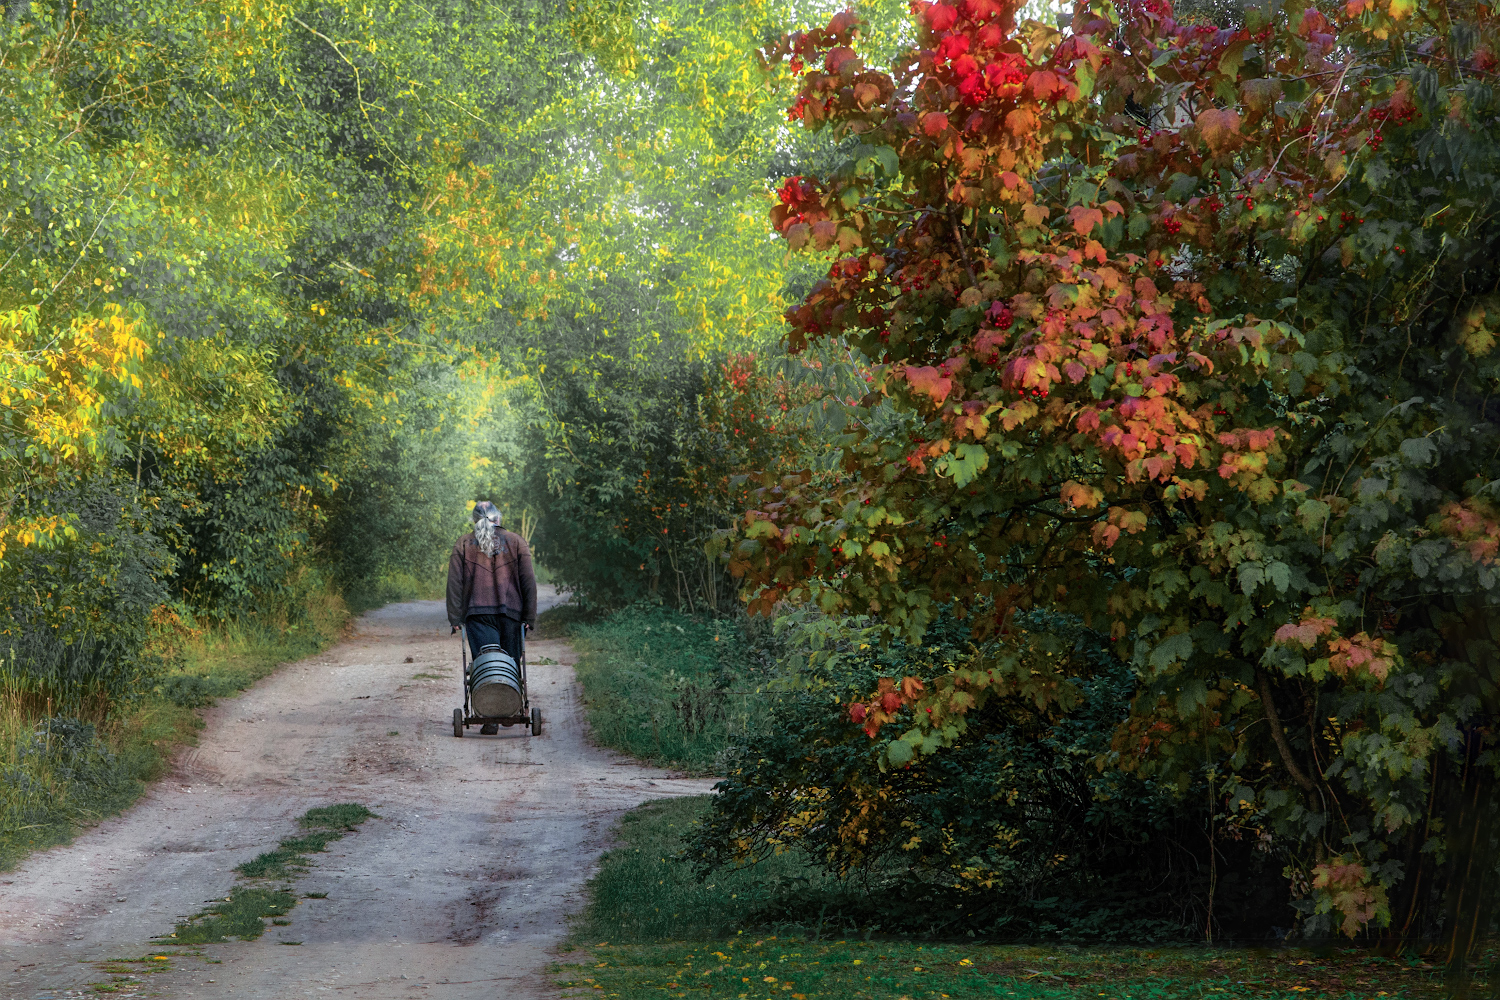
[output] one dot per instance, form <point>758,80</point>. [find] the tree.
<point>1196,327</point>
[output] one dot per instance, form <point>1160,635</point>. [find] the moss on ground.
<point>243,912</point>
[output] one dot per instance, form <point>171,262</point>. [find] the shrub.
<point>1013,831</point>
<point>1194,342</point>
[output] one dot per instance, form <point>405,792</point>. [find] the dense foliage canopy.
<point>285,285</point>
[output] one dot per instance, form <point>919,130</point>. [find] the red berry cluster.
<point>1171,225</point>
<point>1213,204</point>
<point>1396,116</point>
<point>911,280</point>
<point>797,192</point>
<point>1388,115</point>
<point>1348,218</point>
<point>1249,201</point>
<point>999,316</point>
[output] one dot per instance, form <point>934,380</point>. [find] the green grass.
<point>644,893</point>
<point>558,621</point>
<point>666,688</point>
<point>652,929</point>
<point>241,915</point>
<point>126,973</point>
<point>775,968</point>
<point>243,912</point>
<point>59,776</point>
<point>328,823</point>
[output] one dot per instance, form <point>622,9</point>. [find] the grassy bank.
<point>670,689</point>
<point>651,928</point>
<point>60,775</point>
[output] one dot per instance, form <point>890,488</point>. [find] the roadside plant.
<point>1195,326</point>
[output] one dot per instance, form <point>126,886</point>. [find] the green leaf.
<point>1233,57</point>
<point>999,251</point>
<point>1312,514</point>
<point>1112,232</point>
<point>966,461</point>
<point>1425,555</point>
<point>1419,451</point>
<point>1171,650</point>
<point>1181,187</point>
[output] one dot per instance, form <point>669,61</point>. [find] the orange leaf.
<point>930,381</point>
<point>1083,497</point>
<point>1220,129</point>
<point>1085,219</point>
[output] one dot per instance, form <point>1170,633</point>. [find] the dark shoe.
<point>489,729</point>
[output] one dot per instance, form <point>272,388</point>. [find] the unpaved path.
<point>461,887</point>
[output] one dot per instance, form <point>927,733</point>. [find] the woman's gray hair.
<point>487,525</point>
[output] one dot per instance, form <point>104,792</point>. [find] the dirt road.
<point>461,887</point>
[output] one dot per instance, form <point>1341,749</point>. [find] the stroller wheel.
<point>536,722</point>
<point>458,722</point>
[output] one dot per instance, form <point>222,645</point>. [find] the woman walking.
<point>491,586</point>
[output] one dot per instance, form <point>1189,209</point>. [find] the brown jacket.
<point>479,585</point>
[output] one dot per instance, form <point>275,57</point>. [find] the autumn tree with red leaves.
<point>1197,324</point>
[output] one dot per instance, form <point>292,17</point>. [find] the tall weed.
<point>61,773</point>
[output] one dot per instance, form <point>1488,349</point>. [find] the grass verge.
<point>644,893</point>
<point>60,775</point>
<point>653,929</point>
<point>392,588</point>
<point>776,968</point>
<point>242,914</point>
<point>669,689</point>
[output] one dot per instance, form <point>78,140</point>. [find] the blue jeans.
<point>490,630</point>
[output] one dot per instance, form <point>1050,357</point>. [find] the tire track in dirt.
<point>478,856</point>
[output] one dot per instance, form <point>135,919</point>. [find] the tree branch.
<point>1279,737</point>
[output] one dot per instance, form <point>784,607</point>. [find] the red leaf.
<point>941,17</point>
<point>934,123</point>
